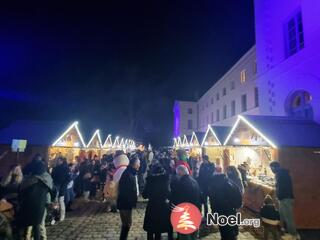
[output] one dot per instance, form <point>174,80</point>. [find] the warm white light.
<point>236,140</point>
<point>213,133</point>
<point>96,134</point>
<point>241,118</point>
<point>73,125</point>
<point>194,138</point>
<point>107,142</point>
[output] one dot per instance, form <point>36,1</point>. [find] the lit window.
<point>294,34</point>
<point>189,110</point>
<point>224,91</point>
<point>243,76</point>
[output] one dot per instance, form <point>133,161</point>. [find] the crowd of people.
<point>35,195</point>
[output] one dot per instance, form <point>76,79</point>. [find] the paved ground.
<point>91,221</point>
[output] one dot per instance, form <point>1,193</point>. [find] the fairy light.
<point>242,118</point>
<point>73,125</point>
<point>108,142</point>
<point>205,136</point>
<point>96,134</point>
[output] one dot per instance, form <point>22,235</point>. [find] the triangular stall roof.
<point>185,142</point>
<point>214,136</point>
<point>116,143</point>
<point>274,131</point>
<point>71,137</point>
<point>108,142</point>
<point>95,141</point>
<point>194,141</point>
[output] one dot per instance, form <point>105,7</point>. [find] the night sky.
<point>117,66</point>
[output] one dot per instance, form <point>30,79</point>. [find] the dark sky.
<point>117,66</point>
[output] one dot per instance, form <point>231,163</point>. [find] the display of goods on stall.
<point>255,141</point>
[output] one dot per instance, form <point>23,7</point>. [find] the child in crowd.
<point>270,218</point>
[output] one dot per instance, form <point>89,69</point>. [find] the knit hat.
<point>121,160</point>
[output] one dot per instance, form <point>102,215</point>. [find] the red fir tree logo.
<point>185,218</point>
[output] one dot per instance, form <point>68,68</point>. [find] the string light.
<point>213,133</point>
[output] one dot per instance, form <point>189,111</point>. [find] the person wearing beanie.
<point>183,160</point>
<point>270,218</point>
<point>120,162</point>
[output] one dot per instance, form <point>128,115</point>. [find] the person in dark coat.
<point>128,191</point>
<point>225,199</point>
<point>185,188</point>
<point>157,215</point>
<point>270,218</point>
<point>33,199</point>
<point>284,192</point>
<point>206,171</point>
<point>61,177</point>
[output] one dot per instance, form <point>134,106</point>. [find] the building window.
<point>233,108</point>
<point>206,104</point>
<point>244,103</point>
<point>224,91</point>
<point>212,100</point>
<point>224,111</point>
<point>255,70</point>
<point>256,97</point>
<point>189,110</point>
<point>294,34</point>
<point>217,97</point>
<point>207,119</point>
<point>232,85</point>
<point>190,124</point>
<point>218,115</point>
<point>212,118</point>
<point>298,104</point>
<point>243,76</point>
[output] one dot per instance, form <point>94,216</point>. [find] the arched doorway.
<point>298,105</point>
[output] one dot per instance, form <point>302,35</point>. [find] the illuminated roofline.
<point>97,132</point>
<point>252,127</point>
<point>214,134</point>
<point>106,141</point>
<point>194,136</point>
<point>185,141</point>
<point>73,125</point>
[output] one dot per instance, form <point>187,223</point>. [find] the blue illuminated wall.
<point>280,75</point>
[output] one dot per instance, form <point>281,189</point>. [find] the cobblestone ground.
<point>90,220</point>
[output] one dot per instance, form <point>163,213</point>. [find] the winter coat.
<point>225,197</point>
<point>270,214</point>
<point>238,182</point>
<point>61,178</point>
<point>128,190</point>
<point>157,215</point>
<point>284,185</point>
<point>205,173</point>
<point>185,189</point>
<point>33,199</point>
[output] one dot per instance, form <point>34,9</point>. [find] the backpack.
<point>234,195</point>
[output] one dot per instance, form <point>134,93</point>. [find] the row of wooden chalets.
<point>54,139</point>
<point>253,142</point>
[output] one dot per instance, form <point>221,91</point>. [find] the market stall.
<point>194,144</point>
<point>212,144</point>
<point>255,141</point>
<point>107,145</point>
<point>94,146</point>
<point>69,144</point>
